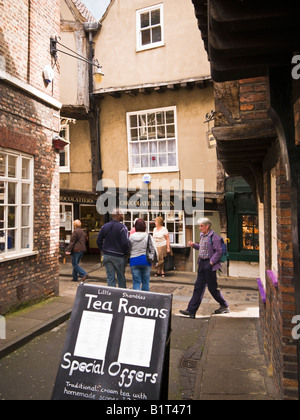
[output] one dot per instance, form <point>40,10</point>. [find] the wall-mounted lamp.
<point>210,116</point>
<point>98,73</point>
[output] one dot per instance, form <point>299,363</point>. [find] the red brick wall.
<point>28,124</point>
<point>277,313</point>
<point>253,99</point>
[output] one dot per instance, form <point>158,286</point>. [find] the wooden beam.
<point>255,131</point>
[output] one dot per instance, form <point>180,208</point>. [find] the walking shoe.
<point>187,313</point>
<point>222,310</point>
<point>84,278</point>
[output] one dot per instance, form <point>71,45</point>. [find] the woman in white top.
<point>162,242</point>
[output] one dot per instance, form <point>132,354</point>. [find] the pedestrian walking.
<point>210,253</point>
<point>77,249</point>
<point>162,242</point>
<point>140,267</point>
<point>114,243</point>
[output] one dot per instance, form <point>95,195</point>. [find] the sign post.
<point>117,346</point>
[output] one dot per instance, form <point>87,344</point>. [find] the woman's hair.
<point>140,225</point>
<point>160,221</point>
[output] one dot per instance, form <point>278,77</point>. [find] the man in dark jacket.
<point>210,252</point>
<point>77,248</point>
<point>113,241</point>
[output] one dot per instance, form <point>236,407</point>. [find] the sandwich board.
<point>117,346</point>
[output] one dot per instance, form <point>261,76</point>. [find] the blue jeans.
<point>76,258</point>
<point>115,266</point>
<point>141,277</point>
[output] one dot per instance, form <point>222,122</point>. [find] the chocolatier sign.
<point>117,346</point>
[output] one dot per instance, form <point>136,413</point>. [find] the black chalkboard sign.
<point>117,346</point>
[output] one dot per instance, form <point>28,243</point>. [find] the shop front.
<point>180,219</point>
<point>243,229</point>
<point>82,206</point>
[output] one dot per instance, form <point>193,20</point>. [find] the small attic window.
<point>150,28</point>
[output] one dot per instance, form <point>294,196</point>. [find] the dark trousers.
<point>206,278</point>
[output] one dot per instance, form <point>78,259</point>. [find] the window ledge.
<point>272,276</point>
<point>152,171</point>
<point>11,257</point>
<point>262,291</point>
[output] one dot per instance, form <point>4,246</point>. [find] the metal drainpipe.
<point>93,28</point>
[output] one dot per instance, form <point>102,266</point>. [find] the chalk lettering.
<point>98,305</point>
<point>141,311</point>
<point>95,368</point>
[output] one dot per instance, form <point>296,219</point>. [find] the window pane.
<point>172,159</point>
<point>153,147</point>
<point>160,118</point>
<point>135,149</point>
<point>134,134</point>
<point>1,217</point>
<point>155,17</point>
<point>163,160</point>
<point>25,242</point>
<point>151,133</point>
<point>2,192</point>
<point>136,161</point>
<point>172,146</point>
<point>11,240</point>
<point>146,37</point>
<point>161,132</point>
<point>156,34</point>
<point>250,232</point>
<point>12,166</point>
<point>170,131</point>
<point>154,161</point>
<point>145,20</point>
<point>25,194</point>
<point>162,147</point>
<point>145,163</point>
<point>25,216</point>
<point>170,117</point>
<point>11,217</point>
<point>2,164</point>
<point>2,241</point>
<point>12,193</point>
<point>62,158</point>
<point>133,121</point>
<point>26,169</point>
<point>144,148</point>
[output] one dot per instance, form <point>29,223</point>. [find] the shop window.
<point>66,222</point>
<point>16,203</point>
<point>152,140</point>
<point>250,233</point>
<point>173,221</point>
<point>150,28</point>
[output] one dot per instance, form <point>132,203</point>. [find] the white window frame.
<point>139,29</point>
<point>274,222</point>
<point>139,169</point>
<point>66,150</point>
<point>20,249</point>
